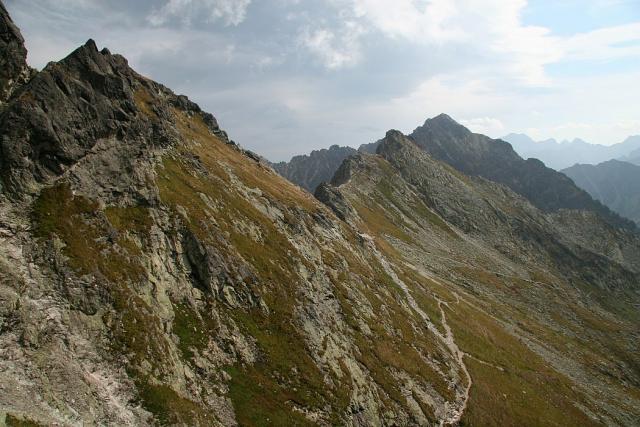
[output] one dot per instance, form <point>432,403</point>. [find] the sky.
<point>284,77</point>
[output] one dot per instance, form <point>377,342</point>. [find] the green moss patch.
<point>20,421</point>
<point>169,408</point>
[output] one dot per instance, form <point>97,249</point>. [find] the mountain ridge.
<point>496,160</point>
<point>153,272</point>
<point>309,171</point>
<point>560,155</point>
<point>614,183</point>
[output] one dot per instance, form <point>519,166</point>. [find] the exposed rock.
<point>309,171</point>
<point>327,195</point>
<point>505,252</point>
<point>152,272</point>
<point>14,71</point>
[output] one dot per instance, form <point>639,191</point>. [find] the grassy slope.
<point>512,385</point>
<point>525,388</point>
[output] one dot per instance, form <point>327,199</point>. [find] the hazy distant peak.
<point>560,155</point>
<point>444,121</point>
<point>519,137</point>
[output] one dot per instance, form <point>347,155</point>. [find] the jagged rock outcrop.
<point>326,194</point>
<point>370,148</point>
<point>474,154</point>
<point>14,71</point>
<point>309,171</point>
<point>153,272</point>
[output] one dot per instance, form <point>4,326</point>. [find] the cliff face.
<point>153,272</point>
<point>309,171</point>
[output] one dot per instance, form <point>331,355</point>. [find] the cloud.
<point>231,12</point>
<point>412,20</point>
<point>605,43</point>
<point>491,28</point>
<point>485,125</point>
<point>335,48</point>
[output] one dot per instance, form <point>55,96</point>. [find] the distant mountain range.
<point>309,170</point>
<point>614,183</point>
<point>560,155</point>
<point>633,157</point>
<point>473,154</point>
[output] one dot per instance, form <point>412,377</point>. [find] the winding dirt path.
<point>453,410</point>
<point>456,413</point>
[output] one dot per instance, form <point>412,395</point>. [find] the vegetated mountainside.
<point>494,159</point>
<point>529,298</point>
<point>153,272</point>
<point>560,155</point>
<point>472,154</point>
<point>308,171</point>
<point>614,183</point>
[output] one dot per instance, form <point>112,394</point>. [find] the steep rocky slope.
<point>615,183</point>
<point>14,70</point>
<point>308,171</point>
<point>153,272</point>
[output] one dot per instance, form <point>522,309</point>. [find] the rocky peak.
<point>90,99</point>
<point>394,143</point>
<point>494,159</point>
<point>157,275</point>
<point>14,70</point>
<point>443,125</point>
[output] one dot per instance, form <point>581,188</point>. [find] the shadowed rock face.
<point>71,106</point>
<point>479,155</point>
<point>615,183</point>
<point>308,171</point>
<point>14,70</point>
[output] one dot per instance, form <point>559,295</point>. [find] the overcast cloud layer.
<point>287,76</point>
